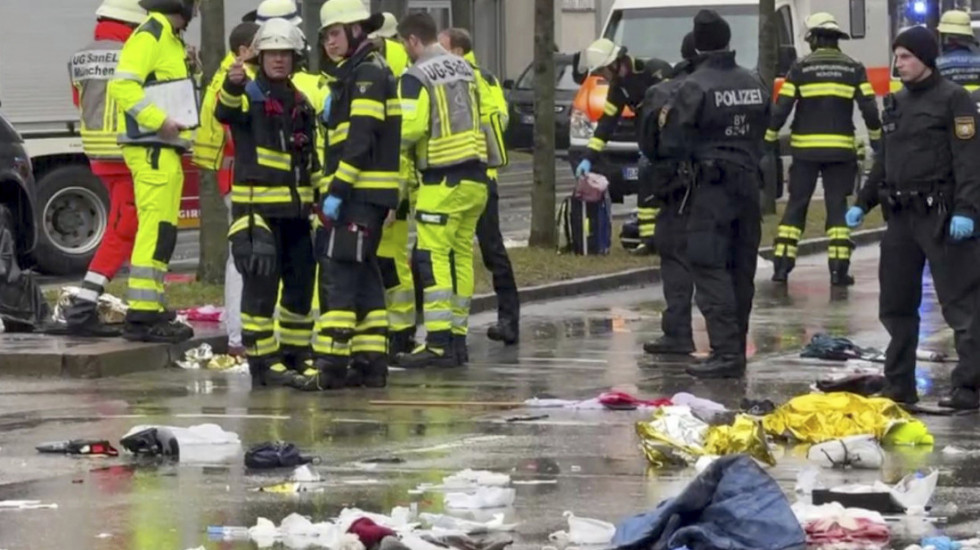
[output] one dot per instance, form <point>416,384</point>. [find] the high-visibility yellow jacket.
<point>494,113</point>
<point>155,53</point>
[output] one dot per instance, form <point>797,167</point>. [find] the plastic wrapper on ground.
<point>815,418</point>
<point>676,437</point>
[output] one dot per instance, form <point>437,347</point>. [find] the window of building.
<point>440,10</point>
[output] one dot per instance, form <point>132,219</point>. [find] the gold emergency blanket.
<point>676,437</point>
<point>815,418</point>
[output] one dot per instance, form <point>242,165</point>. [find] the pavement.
<point>572,348</point>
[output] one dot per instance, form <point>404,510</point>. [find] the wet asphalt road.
<point>571,349</point>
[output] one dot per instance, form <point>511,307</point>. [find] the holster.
<point>346,242</point>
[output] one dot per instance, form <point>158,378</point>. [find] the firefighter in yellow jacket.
<point>442,125</point>
<point>152,146</point>
<point>494,117</point>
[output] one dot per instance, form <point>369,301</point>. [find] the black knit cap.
<point>921,42</point>
<point>711,31</point>
<point>688,51</point>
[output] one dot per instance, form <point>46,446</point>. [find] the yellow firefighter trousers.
<point>158,183</point>
<point>396,272</point>
<point>447,214</point>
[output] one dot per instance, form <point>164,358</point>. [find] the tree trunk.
<point>311,28</point>
<point>767,70</point>
<point>214,215</point>
<point>543,232</point>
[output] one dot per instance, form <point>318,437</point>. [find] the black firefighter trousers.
<point>497,261</point>
<point>911,239</point>
<point>353,318</point>
<point>670,241</point>
<point>838,184</point>
<point>295,267</point>
<point>724,229</point>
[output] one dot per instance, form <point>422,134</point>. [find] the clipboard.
<point>177,98</point>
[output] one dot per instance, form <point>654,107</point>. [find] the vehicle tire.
<point>72,212</point>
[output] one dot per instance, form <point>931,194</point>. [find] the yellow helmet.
<point>599,54</point>
<point>282,9</point>
<point>390,27</point>
<point>279,34</point>
<point>956,22</point>
<point>127,11</point>
<point>348,12</point>
<point>823,22</point>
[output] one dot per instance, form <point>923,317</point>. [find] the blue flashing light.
<point>919,7</point>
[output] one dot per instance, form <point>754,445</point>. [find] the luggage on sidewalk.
<point>584,218</point>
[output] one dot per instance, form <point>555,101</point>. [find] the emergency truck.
<point>655,28</point>
<point>36,98</point>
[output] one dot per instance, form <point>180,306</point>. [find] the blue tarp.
<point>732,505</point>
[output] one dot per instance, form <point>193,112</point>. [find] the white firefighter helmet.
<point>347,12</point>
<point>127,11</point>
<point>956,22</point>
<point>823,22</point>
<point>282,9</point>
<point>279,35</point>
<point>390,27</point>
<point>599,54</point>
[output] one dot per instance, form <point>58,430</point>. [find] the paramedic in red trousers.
<point>91,69</point>
<point>629,78</point>
<point>214,150</point>
<point>927,180</point>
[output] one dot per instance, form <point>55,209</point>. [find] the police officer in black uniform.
<point>717,119</point>
<point>665,184</point>
<point>927,179</point>
<point>823,86</point>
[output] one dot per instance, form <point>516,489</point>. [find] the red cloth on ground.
<point>828,531</point>
<point>619,400</point>
<point>369,532</point>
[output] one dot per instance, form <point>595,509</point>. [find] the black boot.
<point>402,341</point>
<point>325,374</point>
<point>962,399</point>
<point>86,324</point>
<point>838,273</point>
<point>161,331</point>
<point>900,396</point>
<point>783,266</point>
<point>460,350</point>
<point>719,366</point>
<point>505,332</point>
<point>667,345</point>
<point>425,356</point>
<point>369,372</point>
<point>265,375</point>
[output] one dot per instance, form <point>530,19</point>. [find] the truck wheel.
<point>73,209</point>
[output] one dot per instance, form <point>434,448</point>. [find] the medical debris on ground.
<point>733,503</point>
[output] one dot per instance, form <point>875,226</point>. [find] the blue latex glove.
<point>941,543</point>
<point>960,227</point>
<point>583,168</point>
<point>854,217</point>
<point>331,207</point>
<point>327,103</point>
